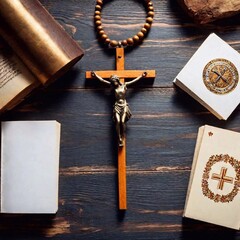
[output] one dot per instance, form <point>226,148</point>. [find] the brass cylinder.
<point>33,34</point>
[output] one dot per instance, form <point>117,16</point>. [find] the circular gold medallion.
<point>220,76</point>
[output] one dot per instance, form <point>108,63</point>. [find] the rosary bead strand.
<point>126,42</point>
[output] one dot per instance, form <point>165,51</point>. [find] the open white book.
<point>29,166</point>
<point>211,77</point>
<point>215,178</point>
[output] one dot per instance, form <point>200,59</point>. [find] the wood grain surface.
<point>161,135</point>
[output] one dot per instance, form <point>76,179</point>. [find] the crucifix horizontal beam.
<point>122,73</point>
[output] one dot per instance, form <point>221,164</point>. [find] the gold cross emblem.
<point>220,76</point>
<point>222,178</point>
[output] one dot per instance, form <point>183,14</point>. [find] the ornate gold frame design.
<point>220,76</point>
<point>205,187</point>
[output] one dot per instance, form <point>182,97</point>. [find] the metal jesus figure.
<point>121,111</point>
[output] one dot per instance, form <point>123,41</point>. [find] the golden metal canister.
<point>33,34</point>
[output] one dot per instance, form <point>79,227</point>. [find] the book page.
<point>16,81</point>
<point>195,157</point>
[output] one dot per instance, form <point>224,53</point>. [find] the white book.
<point>211,77</point>
<point>215,178</point>
<point>30,166</point>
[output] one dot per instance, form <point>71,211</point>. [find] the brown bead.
<point>150,3</point>
<point>97,17</point>
<point>99,28</point>
<point>151,8</point>
<point>135,38</point>
<point>149,20</point>
<point>98,7</point>
<point>98,23</point>
<point>107,41</point>
<point>101,32</point>
<point>151,14</point>
<point>99,2</point>
<point>130,41</point>
<point>124,43</point>
<point>144,30</point>
<point>104,37</point>
<point>147,26</point>
<point>113,43</point>
<point>140,34</point>
<point>97,13</point>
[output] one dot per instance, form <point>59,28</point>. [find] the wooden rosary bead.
<point>124,43</point>
<point>99,28</point>
<point>113,43</point>
<point>104,37</point>
<point>97,13</point>
<point>140,34</point>
<point>144,30</point>
<point>98,7</point>
<point>149,20</point>
<point>99,2</point>
<point>150,8</point>
<point>107,41</point>
<point>101,32</point>
<point>151,14</point>
<point>97,17</point>
<point>98,23</point>
<point>135,38</point>
<point>150,3</point>
<point>130,41</point>
<point>147,26</point>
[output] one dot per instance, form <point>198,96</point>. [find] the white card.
<point>29,166</point>
<point>211,76</point>
<point>214,182</point>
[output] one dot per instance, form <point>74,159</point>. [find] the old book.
<point>211,77</point>
<point>29,166</point>
<point>40,50</point>
<point>215,178</point>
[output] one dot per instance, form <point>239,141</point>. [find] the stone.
<point>205,11</point>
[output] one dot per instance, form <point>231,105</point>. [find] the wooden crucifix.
<point>121,111</point>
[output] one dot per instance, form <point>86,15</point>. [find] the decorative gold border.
<point>217,90</point>
<point>205,187</point>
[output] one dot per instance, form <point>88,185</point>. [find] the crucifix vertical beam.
<point>122,74</point>
<point>122,181</point>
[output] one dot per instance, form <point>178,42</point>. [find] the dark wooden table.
<point>161,135</point>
